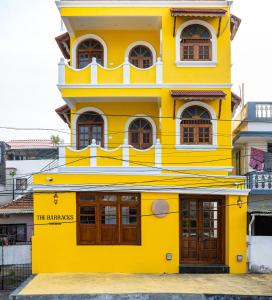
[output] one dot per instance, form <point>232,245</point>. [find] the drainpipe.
<point>250,240</point>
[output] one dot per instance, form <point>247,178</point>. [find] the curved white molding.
<point>142,43</point>
<point>74,124</point>
<point>154,130</point>
<point>83,38</point>
<point>141,150</point>
<point>212,63</point>
<point>180,146</point>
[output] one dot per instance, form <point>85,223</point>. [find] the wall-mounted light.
<point>56,198</point>
<point>239,202</point>
<point>239,258</point>
<point>169,256</point>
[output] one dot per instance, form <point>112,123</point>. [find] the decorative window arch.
<point>90,125</point>
<point>138,48</point>
<point>92,118</point>
<point>151,132</point>
<point>86,37</point>
<point>196,44</point>
<point>140,133</point>
<point>88,49</point>
<point>196,126</point>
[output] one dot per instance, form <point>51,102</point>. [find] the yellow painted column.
<point>236,222</point>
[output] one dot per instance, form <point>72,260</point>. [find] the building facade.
<point>252,157</point>
<point>145,184</point>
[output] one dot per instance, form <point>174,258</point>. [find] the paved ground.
<point>101,283</point>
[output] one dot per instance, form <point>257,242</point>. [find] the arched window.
<point>141,57</point>
<point>195,43</point>
<point>140,133</point>
<point>196,126</point>
<point>90,125</point>
<point>88,49</point>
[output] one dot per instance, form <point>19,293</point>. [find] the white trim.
<point>142,43</point>
<point>139,188</point>
<point>83,38</point>
<point>126,169</point>
<point>214,127</point>
<point>74,124</point>
<point>147,86</point>
<point>150,120</point>
<point>211,63</point>
<point>61,71</point>
<point>126,71</point>
<point>158,3</point>
<point>196,64</point>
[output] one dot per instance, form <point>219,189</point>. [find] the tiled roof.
<point>63,42</point>
<point>64,112</point>
<point>31,144</point>
<point>203,12</point>
<point>22,205</point>
<point>197,94</point>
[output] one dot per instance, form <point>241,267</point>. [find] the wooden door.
<point>201,230</point>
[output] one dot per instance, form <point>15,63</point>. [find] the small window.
<point>196,126</point>
<point>196,43</point>
<point>108,219</point>
<point>88,49</point>
<point>263,226</point>
<point>140,134</point>
<point>21,184</point>
<point>141,57</point>
<point>13,233</point>
<point>90,125</point>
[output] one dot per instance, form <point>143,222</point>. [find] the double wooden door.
<point>201,230</point>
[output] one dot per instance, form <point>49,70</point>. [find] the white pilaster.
<point>158,150</point>
<point>93,71</point>
<point>126,71</point>
<point>159,71</point>
<point>62,158</point>
<point>125,153</point>
<point>61,75</point>
<point>93,153</point>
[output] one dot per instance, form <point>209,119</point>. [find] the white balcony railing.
<point>94,74</point>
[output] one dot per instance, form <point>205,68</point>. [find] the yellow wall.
<point>55,248</point>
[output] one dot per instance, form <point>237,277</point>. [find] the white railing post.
<point>93,71</point>
<point>159,71</point>
<point>126,71</point>
<point>125,153</point>
<point>61,74</point>
<point>93,153</point>
<point>158,150</point>
<point>62,158</point>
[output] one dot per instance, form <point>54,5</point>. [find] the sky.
<point>30,55</point>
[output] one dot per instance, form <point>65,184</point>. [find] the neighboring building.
<point>252,129</point>
<point>22,159</point>
<point>145,184</point>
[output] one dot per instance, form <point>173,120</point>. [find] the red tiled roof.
<point>63,42</point>
<point>30,144</point>
<point>194,94</point>
<point>24,204</point>
<point>234,25</point>
<point>200,12</point>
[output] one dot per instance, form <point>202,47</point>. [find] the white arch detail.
<point>213,121</point>
<point>82,111</point>
<point>213,39</point>
<point>150,120</point>
<point>142,43</point>
<point>86,37</point>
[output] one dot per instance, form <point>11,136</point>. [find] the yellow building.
<point>144,185</point>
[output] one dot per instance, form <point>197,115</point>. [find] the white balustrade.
<point>159,71</point>
<point>93,71</point>
<point>126,71</point>
<point>61,71</point>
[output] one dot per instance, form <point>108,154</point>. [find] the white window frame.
<point>198,147</point>
<point>142,43</point>
<point>210,63</point>
<point>150,120</point>
<point>82,39</point>
<point>82,111</point>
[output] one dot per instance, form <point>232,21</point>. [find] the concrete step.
<point>203,269</point>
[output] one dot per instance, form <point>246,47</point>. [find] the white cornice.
<point>158,3</point>
<point>143,86</point>
<point>145,189</point>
